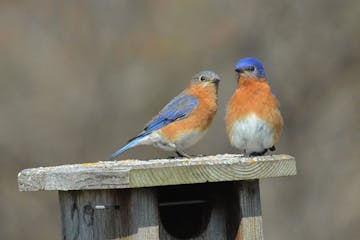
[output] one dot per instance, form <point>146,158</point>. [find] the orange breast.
<point>200,118</point>
<point>254,96</point>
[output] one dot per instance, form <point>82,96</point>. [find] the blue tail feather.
<point>132,143</point>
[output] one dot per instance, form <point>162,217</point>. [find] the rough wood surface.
<point>158,172</point>
<point>250,227</point>
<point>144,217</point>
<point>128,214</point>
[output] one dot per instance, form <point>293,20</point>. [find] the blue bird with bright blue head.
<point>253,119</point>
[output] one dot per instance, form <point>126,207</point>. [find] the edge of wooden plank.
<point>73,177</point>
<point>156,172</point>
<point>230,168</point>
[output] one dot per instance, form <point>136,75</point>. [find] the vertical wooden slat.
<point>144,216</point>
<point>128,214</point>
<point>250,210</point>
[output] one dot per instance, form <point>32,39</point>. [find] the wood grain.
<point>250,227</point>
<point>129,214</point>
<point>157,172</point>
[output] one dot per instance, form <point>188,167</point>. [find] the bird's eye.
<point>250,68</point>
<point>202,78</point>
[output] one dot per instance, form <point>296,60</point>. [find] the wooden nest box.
<point>211,197</point>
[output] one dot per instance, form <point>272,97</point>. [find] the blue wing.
<point>181,106</point>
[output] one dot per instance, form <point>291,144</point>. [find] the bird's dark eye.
<point>202,78</point>
<point>250,68</point>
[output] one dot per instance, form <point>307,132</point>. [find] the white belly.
<point>251,134</point>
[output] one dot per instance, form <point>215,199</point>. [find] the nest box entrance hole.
<point>185,210</point>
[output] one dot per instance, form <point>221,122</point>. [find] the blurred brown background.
<point>77,79</point>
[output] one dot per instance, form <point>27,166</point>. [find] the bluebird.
<point>184,120</point>
<point>253,119</point>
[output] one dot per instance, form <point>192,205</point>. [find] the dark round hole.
<point>184,210</point>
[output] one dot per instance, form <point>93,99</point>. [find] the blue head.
<point>250,67</point>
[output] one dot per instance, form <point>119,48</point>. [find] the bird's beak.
<point>216,83</point>
<point>240,70</point>
<point>216,80</point>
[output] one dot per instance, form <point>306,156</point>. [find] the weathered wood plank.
<point>251,227</point>
<point>127,214</point>
<point>158,172</point>
<point>80,219</point>
<point>144,216</point>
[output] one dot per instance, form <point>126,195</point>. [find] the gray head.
<point>206,77</point>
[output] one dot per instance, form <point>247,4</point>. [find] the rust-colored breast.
<point>200,118</point>
<point>254,96</point>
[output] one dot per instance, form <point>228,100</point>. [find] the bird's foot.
<point>255,154</point>
<point>182,154</point>
<point>273,148</point>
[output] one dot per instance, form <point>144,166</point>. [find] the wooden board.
<point>81,217</point>
<point>251,227</point>
<point>157,172</point>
